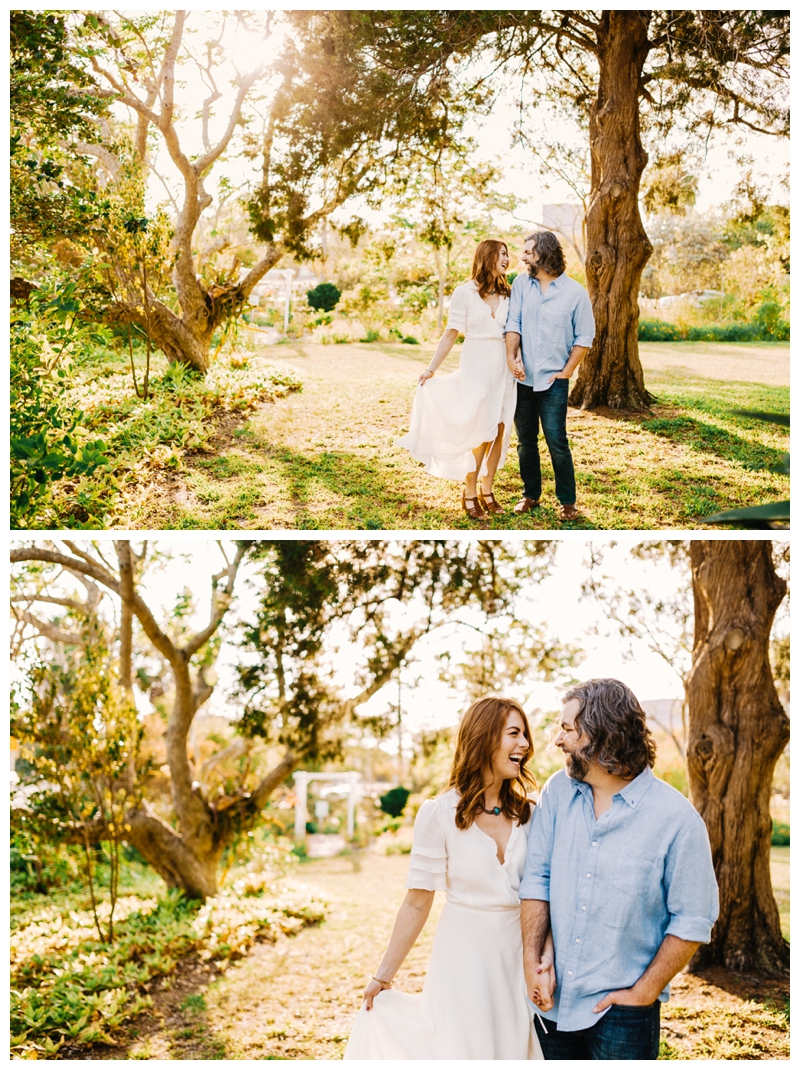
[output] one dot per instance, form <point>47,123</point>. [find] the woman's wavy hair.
<point>616,726</point>
<point>549,251</point>
<point>479,736</point>
<point>484,269</point>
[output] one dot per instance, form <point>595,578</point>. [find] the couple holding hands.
<point>521,345</point>
<point>566,916</point>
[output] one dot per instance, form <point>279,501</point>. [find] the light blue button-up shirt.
<point>548,325</point>
<point>617,885</point>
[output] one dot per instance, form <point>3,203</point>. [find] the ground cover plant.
<point>325,458</point>
<point>116,440</point>
<point>70,989</point>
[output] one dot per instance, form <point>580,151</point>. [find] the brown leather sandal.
<point>489,502</point>
<point>474,511</point>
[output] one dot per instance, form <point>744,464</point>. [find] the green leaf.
<point>771,511</point>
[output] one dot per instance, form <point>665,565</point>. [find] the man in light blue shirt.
<point>550,318</point>
<point>619,866</point>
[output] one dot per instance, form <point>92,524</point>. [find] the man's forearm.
<point>670,959</point>
<point>575,357</point>
<point>535,920</point>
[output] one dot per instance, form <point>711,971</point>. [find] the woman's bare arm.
<point>446,343</point>
<point>410,919</point>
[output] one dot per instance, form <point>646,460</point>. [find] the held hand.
<point>372,990</point>
<point>517,368</point>
<point>427,374</point>
<point>544,985</point>
<point>627,997</point>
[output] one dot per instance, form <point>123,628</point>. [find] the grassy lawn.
<point>325,458</point>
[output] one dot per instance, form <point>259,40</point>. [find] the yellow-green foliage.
<point>68,986</point>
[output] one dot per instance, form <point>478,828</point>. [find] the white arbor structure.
<point>301,782</point>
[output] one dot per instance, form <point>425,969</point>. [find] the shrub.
<point>325,297</point>
<point>780,834</point>
<point>658,331</point>
<point>394,801</point>
<point>727,332</point>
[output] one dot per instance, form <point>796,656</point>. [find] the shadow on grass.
<point>707,438</point>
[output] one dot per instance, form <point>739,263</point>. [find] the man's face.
<point>572,741</point>
<point>531,258</point>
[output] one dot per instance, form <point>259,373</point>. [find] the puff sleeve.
<point>457,317</point>
<point>428,869</point>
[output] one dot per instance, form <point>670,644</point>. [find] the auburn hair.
<point>484,269</point>
<point>479,736</point>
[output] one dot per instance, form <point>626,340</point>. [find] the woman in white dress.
<point>471,842</point>
<point>461,423</point>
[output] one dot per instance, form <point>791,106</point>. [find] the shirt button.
<point>594,843</point>
<point>569,973</point>
<point>577,939</point>
<point>588,874</point>
<point>583,908</point>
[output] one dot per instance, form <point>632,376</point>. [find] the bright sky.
<point>247,49</point>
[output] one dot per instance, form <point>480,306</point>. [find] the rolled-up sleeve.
<point>514,317</point>
<point>428,869</point>
<point>535,883</point>
<point>583,321</point>
<point>691,886</point>
<point>457,313</point>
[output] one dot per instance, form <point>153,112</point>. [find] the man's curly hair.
<point>616,726</point>
<point>549,251</point>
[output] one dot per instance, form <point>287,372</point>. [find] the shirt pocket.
<point>631,885</point>
<point>557,326</point>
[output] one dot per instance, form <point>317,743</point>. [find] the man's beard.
<point>577,765</point>
<point>533,270</point>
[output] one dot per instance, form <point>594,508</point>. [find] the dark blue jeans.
<point>622,1033</point>
<point>550,408</point>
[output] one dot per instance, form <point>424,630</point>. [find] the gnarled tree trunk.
<point>737,731</point>
<point>617,246</point>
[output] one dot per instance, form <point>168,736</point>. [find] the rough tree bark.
<point>737,731</point>
<point>617,246</point>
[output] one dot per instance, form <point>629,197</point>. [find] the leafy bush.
<point>780,834</point>
<point>394,801</point>
<point>68,986</point>
<point>658,331</point>
<point>726,332</point>
<point>324,297</point>
<point>45,427</point>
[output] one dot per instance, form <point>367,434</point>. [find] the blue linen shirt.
<point>549,326</point>
<point>617,885</point>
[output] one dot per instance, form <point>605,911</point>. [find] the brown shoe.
<point>489,502</point>
<point>526,505</point>
<point>471,506</point>
<point>568,512</point>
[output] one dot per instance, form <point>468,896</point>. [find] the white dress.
<point>454,414</point>
<point>473,1003</point>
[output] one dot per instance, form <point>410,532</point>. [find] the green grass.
<point>325,458</point>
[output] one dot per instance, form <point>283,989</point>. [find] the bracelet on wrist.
<point>381,981</point>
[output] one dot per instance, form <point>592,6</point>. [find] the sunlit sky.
<point>245,51</point>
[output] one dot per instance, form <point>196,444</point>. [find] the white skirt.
<point>472,1005</point>
<point>453,415</point>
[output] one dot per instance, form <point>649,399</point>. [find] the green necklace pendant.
<point>495,810</point>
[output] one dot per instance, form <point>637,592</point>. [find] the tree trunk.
<point>737,731</point>
<point>617,247</point>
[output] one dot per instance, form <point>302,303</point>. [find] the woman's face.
<point>503,261</point>
<point>512,748</point>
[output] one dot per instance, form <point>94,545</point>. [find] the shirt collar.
<point>558,282</point>
<point>632,793</point>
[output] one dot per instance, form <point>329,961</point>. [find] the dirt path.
<point>298,999</point>
<point>325,458</point>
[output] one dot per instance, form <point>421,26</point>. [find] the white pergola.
<point>301,782</point>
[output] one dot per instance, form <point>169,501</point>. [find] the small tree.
<point>325,297</point>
